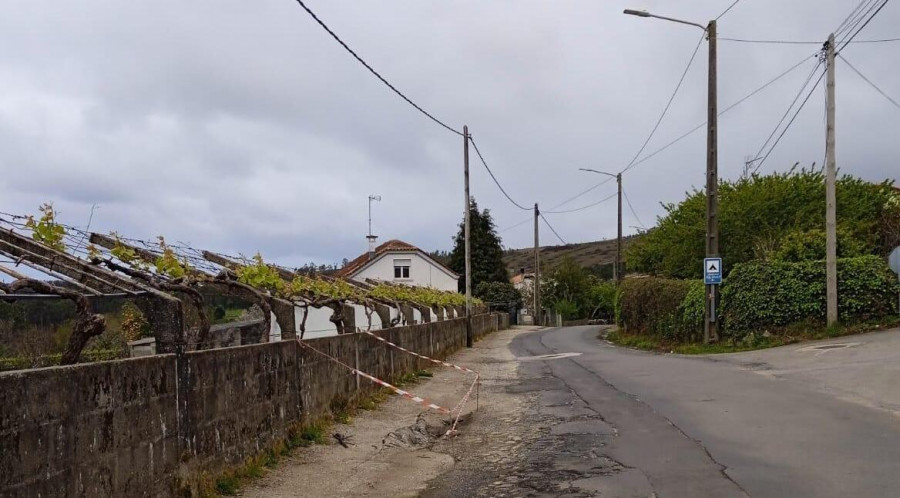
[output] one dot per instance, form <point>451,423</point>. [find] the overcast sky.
<point>242,126</point>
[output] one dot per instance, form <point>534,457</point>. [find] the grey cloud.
<point>242,126</point>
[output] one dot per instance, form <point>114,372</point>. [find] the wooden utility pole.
<point>537,268</point>
<point>830,179</point>
<point>470,340</point>
<point>711,325</point>
<point>618,274</point>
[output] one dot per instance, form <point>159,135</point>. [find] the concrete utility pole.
<point>830,194</point>
<point>710,325</point>
<point>619,273</point>
<point>537,268</point>
<point>618,270</point>
<point>470,340</point>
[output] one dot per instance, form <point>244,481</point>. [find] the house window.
<point>401,268</point>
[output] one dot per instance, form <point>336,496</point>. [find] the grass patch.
<point>792,334</point>
<point>314,433</point>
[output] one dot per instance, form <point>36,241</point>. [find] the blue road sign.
<point>712,271</point>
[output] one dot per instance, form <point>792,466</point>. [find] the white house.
<point>402,263</point>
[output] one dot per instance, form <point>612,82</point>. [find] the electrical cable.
<point>790,122</point>
<point>797,42</point>
<point>591,189</point>
<point>633,213</point>
<point>730,107</point>
<point>478,152</point>
<point>789,109</point>
<point>652,132</point>
<point>847,41</point>
<point>728,9</point>
<point>867,80</point>
<point>373,71</point>
<point>850,17</point>
<point>582,208</point>
<point>553,230</point>
<point>668,104</point>
<point>517,225</point>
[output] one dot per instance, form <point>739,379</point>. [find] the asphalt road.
<point>798,421</point>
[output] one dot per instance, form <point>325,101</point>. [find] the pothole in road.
<point>553,356</point>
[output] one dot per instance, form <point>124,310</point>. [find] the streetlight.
<point>617,273</point>
<point>711,326</point>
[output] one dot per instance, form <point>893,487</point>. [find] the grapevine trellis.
<point>164,277</point>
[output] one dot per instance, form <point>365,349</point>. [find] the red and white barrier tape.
<point>400,392</point>
<point>462,404</point>
<point>439,362</point>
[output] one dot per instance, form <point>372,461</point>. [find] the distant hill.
<point>587,254</point>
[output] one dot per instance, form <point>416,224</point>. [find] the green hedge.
<point>758,295</point>
<point>661,307</point>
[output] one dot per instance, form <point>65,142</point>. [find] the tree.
<point>498,293</point>
<point>487,254</point>
<point>565,289</point>
<point>757,216</point>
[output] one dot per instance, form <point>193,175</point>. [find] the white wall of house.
<point>422,272</point>
<point>317,323</point>
<point>362,321</point>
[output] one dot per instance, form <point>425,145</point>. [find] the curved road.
<point>816,420</point>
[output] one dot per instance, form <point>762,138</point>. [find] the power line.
<point>373,71</point>
<point>855,19</point>
<point>732,106</point>
<point>553,230</point>
<point>847,20</point>
<point>591,189</point>
<point>668,104</point>
<point>811,91</point>
<point>867,80</point>
<point>864,24</point>
<point>627,200</point>
<point>788,111</point>
<point>728,9</point>
<point>798,42</point>
<point>582,208</point>
<point>478,152</point>
<point>517,225</point>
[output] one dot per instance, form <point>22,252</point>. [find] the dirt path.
<point>379,464</point>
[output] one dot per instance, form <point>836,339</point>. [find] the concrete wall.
<point>422,272</point>
<point>135,427</point>
<point>99,429</point>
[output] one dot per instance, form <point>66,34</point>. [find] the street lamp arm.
<point>644,13</point>
<point>600,172</point>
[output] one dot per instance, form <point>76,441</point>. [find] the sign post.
<point>894,263</point>
<point>712,275</point>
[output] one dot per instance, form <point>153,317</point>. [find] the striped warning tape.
<point>397,390</point>
<point>461,405</point>
<point>439,362</point>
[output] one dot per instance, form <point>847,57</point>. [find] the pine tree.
<point>487,253</point>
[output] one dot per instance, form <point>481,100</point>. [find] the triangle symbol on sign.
<point>712,267</point>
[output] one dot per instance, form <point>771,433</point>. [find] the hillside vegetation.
<point>589,255</point>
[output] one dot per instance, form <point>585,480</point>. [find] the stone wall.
<point>137,427</point>
<point>99,429</point>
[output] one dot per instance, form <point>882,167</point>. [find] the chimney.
<point>371,239</point>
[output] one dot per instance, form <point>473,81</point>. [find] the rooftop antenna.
<point>372,238</point>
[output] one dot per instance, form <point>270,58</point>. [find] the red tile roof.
<point>389,246</point>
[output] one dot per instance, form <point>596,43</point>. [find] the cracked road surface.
<point>616,422</point>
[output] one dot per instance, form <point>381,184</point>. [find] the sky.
<point>243,126</point>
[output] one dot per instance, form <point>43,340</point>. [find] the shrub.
<point>775,294</point>
<point>657,306</point>
<point>755,216</point>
